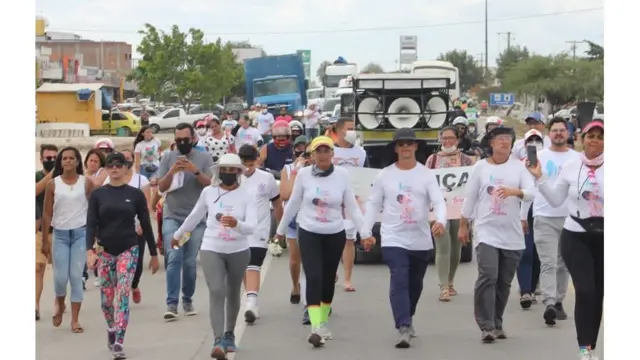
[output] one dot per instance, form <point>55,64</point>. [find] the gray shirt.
<point>179,203</point>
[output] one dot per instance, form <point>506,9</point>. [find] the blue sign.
<point>501,99</point>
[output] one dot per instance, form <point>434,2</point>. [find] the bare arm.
<point>263,155</point>
<point>286,184</point>
<point>99,179</point>
<point>47,212</point>
<point>42,184</point>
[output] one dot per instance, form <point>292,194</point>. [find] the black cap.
<point>248,152</point>
<point>404,134</point>
<point>116,157</point>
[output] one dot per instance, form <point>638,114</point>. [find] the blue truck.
<point>276,81</point>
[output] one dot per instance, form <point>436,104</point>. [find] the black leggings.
<point>320,255</point>
<point>583,253</point>
<point>136,278</point>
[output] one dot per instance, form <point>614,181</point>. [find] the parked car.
<point>120,123</point>
<point>171,118</point>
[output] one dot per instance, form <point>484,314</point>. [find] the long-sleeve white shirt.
<point>216,202</point>
<point>497,221</point>
<point>405,198</point>
<point>551,163</point>
<point>585,193</point>
<point>318,202</point>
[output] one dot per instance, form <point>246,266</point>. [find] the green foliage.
<point>558,78</point>
<point>320,72</point>
<point>471,73</point>
<point>595,52</point>
<point>509,58</point>
<point>372,68</point>
<point>184,67</point>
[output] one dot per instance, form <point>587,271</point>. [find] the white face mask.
<point>472,130</point>
<point>539,146</point>
<point>202,132</point>
<point>449,150</point>
<point>264,111</point>
<point>351,136</point>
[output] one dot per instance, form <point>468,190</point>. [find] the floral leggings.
<point>116,276</point>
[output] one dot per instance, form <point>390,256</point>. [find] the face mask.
<point>281,143</point>
<point>48,165</point>
<point>351,136</point>
<point>184,148</point>
<point>448,150</point>
<point>472,130</point>
<point>202,132</point>
<point>228,179</point>
<point>264,111</point>
<point>539,146</point>
<point>298,153</point>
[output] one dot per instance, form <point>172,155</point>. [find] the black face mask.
<point>228,179</point>
<point>298,153</point>
<point>184,148</point>
<point>48,165</point>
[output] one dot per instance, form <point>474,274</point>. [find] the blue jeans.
<point>311,134</point>
<point>181,259</point>
<point>148,174</point>
<point>529,269</point>
<point>69,259</point>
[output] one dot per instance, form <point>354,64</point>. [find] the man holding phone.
<point>535,121</point>
<point>195,169</point>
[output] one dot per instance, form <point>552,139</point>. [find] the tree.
<point>595,52</point>
<point>372,68</point>
<point>509,58</point>
<point>183,67</point>
<point>470,71</point>
<point>321,68</point>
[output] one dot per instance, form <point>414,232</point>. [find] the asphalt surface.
<point>362,325</point>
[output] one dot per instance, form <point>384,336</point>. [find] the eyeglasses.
<point>114,165</point>
<point>558,131</point>
<point>403,143</point>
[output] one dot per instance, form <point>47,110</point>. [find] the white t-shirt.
<point>265,120</point>
<point>249,136</point>
<point>519,150</point>
<point>149,152</point>
<point>584,193</point>
<point>405,198</point>
<point>229,124</point>
<point>318,202</point>
<point>552,163</point>
<point>215,203</point>
<point>265,187</point>
<point>497,221</point>
<point>354,156</point>
<point>218,147</point>
<point>311,119</point>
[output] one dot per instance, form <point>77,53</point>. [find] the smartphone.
<point>181,157</point>
<point>532,155</point>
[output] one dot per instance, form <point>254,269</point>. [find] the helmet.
<point>280,127</point>
<point>471,121</point>
<point>537,116</point>
<point>460,120</point>
<point>493,120</point>
<point>104,143</point>
<point>295,124</point>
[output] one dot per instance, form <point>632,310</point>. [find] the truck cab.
<point>333,75</point>
<point>277,91</point>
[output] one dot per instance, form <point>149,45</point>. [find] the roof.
<point>51,87</point>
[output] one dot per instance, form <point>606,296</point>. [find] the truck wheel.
<point>155,128</point>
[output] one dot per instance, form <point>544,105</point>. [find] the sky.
<point>333,28</point>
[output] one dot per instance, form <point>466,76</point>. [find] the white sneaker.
<point>275,249</point>
<point>323,330</point>
<point>316,339</point>
<point>587,355</point>
<point>252,314</point>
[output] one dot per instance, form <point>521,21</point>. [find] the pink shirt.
<point>286,118</point>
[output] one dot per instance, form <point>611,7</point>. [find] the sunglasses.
<point>403,143</point>
<point>49,158</point>
<point>106,150</point>
<point>306,155</point>
<point>117,165</point>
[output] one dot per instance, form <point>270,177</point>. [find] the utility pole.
<point>574,46</point>
<point>486,41</point>
<point>508,33</point>
<point>480,58</point>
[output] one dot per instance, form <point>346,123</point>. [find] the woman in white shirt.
<point>65,209</point>
<point>147,149</point>
<point>318,194</point>
<point>225,254</point>
<point>582,239</point>
<point>494,191</point>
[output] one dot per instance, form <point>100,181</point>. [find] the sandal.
<point>57,318</point>
<point>452,291</point>
<point>294,299</point>
<point>444,295</point>
<point>77,328</point>
<point>349,288</point>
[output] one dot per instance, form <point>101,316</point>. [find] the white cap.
<point>532,132</point>
<point>104,143</point>
<point>493,120</point>
<point>461,120</point>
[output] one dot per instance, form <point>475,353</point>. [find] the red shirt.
<point>286,118</point>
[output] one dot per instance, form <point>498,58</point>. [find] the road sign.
<point>306,62</point>
<point>408,42</point>
<point>501,99</point>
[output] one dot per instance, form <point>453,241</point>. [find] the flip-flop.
<point>349,288</point>
<point>77,329</point>
<point>37,315</point>
<point>57,318</point>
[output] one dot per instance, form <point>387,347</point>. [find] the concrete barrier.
<point>85,143</point>
<point>62,130</point>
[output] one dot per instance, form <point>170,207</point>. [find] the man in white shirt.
<point>345,153</point>
<point>311,116</point>
<point>247,134</point>
<point>267,192</point>
<point>229,123</point>
<point>548,222</point>
<point>405,191</point>
<point>537,121</point>
<point>264,122</point>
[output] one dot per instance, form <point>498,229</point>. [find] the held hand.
<point>536,171</point>
<point>229,221</point>
<point>92,259</point>
<point>463,235</point>
<point>279,238</point>
<point>525,226</point>
<point>437,229</point>
<point>368,243</point>
<point>154,264</point>
<point>175,243</point>
<point>138,230</point>
<point>176,168</point>
<point>504,193</point>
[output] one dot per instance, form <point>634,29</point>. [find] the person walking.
<point>147,150</point>
<point>112,212</point>
<point>548,223</point>
<point>94,170</point>
<point>311,116</point>
<point>581,183</point>
<point>218,142</point>
<point>448,248</point>
<point>65,209</point>
<point>493,193</point>
<point>230,212</point>
<point>264,122</point>
<point>191,172</point>
<point>404,192</point>
<point>318,195</point>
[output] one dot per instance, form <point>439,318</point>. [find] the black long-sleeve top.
<point>110,218</point>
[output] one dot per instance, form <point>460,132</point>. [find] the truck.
<point>440,69</point>
<point>276,81</point>
<point>339,70</point>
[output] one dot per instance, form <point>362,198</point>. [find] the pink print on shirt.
<point>497,204</point>
<point>591,193</point>
<point>320,204</point>
<point>225,233</point>
<point>405,199</point>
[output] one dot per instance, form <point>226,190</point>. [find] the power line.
<point>309,32</point>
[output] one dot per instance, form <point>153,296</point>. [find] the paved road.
<point>362,325</point>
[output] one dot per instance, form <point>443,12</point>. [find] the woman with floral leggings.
<point>110,218</point>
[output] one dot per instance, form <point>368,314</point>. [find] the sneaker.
<point>534,299</point>
<point>525,301</point>
<point>587,354</point>
<point>229,340</point>
<point>316,339</point>
<point>219,350</point>
<point>550,315</point>
<point>97,282</point>
<point>331,311</point>
<point>172,313</point>
<point>499,334</point>
<point>118,352</point>
<point>323,330</point>
<point>188,309</point>
<point>560,313</point>
<point>404,341</point>
<point>412,331</point>
<point>251,315</point>
<point>305,317</point>
<point>137,296</point>
<point>111,339</point>
<point>488,337</point>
